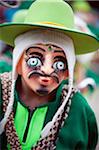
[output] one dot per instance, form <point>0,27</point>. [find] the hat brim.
<point>83,42</point>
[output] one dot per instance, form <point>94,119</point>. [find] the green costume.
<point>79,130</point>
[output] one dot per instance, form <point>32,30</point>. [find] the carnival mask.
<point>43,68</point>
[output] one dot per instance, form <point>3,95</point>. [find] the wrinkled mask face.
<point>43,67</point>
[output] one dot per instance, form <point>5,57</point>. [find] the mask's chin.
<point>42,92</point>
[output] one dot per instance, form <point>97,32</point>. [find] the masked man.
<point>40,109</point>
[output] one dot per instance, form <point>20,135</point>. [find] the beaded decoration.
<point>47,143</point>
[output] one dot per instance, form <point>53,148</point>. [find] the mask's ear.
<point>19,66</point>
<point>67,73</point>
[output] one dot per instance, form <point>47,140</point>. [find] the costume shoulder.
<point>81,104</point>
<point>5,83</point>
<point>91,122</point>
<point>80,127</point>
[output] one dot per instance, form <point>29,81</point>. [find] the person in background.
<point>93,72</point>
<point>89,12</point>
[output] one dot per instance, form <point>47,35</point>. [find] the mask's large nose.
<point>46,69</point>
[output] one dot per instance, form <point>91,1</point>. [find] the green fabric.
<point>35,126</point>
<point>21,115</point>
<point>5,67</point>
<point>80,129</point>
<point>43,14</point>
<point>92,74</point>
<point>94,29</point>
<point>8,53</point>
<point>26,4</point>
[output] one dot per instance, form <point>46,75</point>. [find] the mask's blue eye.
<point>59,65</point>
<point>34,62</point>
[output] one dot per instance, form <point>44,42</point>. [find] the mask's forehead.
<point>52,47</point>
<point>47,47</point>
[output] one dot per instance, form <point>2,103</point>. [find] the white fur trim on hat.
<point>24,41</point>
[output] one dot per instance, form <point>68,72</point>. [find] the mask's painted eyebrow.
<point>36,53</point>
<point>35,47</point>
<point>61,58</point>
<point>58,51</point>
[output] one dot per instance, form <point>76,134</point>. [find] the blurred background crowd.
<point>87,65</point>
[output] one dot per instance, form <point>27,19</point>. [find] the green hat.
<point>53,14</point>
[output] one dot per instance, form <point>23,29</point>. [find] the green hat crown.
<point>55,12</point>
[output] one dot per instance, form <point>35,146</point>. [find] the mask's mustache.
<point>39,73</point>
